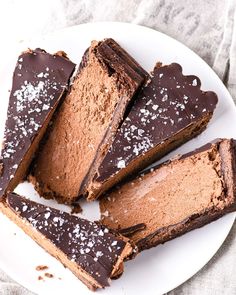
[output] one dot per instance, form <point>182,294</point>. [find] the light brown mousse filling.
<point>77,133</point>
<point>167,196</point>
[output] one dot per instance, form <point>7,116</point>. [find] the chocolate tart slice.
<point>168,111</point>
<point>39,82</point>
<point>87,121</point>
<point>175,197</point>
<point>91,251</point>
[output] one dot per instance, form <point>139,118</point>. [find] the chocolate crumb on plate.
<point>41,267</point>
<point>76,209</point>
<point>49,275</point>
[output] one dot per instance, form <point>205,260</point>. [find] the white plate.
<point>160,269</point>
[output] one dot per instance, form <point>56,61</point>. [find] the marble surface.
<point>206,26</point>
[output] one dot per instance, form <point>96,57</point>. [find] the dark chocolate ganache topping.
<point>39,80</point>
<point>92,246</point>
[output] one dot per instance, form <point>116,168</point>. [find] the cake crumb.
<point>41,267</point>
<point>40,278</point>
<point>76,209</point>
<point>48,275</point>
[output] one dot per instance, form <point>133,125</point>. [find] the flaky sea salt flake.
<point>194,83</point>
<point>45,107</point>
<point>47,215</point>
<point>24,208</point>
<point>121,164</point>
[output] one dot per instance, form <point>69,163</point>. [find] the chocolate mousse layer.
<point>175,197</point>
<point>169,110</point>
<point>91,251</point>
<point>39,82</point>
<point>87,122</point>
